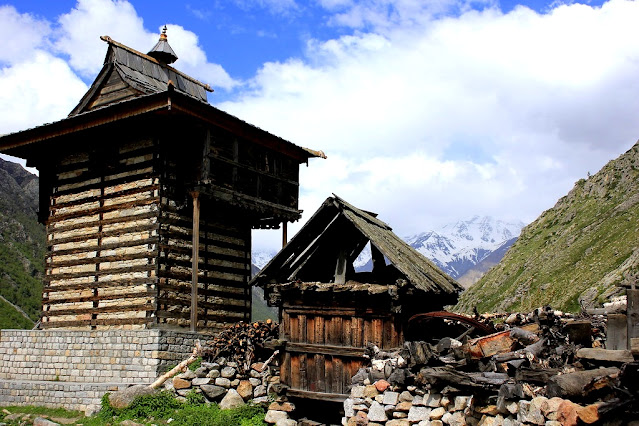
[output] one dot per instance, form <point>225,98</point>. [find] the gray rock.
<point>259,391</point>
<point>213,392</point>
<point>261,400</point>
<point>457,419</point>
<point>437,413</point>
<point>273,416</point>
<point>255,382</point>
<point>286,422</point>
<point>211,365</point>
<point>390,398</point>
<point>124,398</point>
<point>187,375</point>
<point>228,372</point>
<point>221,381</point>
<point>201,371</point>
<point>348,408</point>
<point>406,396</point>
<point>418,400</point>
<point>235,383</point>
<point>213,374</point>
<point>232,364</point>
<point>433,400</point>
<point>199,381</point>
<point>461,402</point>
<point>232,399</point>
<point>39,421</point>
<point>376,413</point>
<point>183,392</point>
<point>358,391</point>
<point>417,413</point>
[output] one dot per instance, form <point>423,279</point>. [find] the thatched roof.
<point>340,229</point>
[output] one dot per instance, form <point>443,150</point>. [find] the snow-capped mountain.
<point>261,258</point>
<point>455,248</point>
<point>459,246</point>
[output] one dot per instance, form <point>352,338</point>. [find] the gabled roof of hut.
<point>339,229</point>
<point>127,73</point>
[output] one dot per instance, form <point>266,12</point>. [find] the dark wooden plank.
<point>296,380</point>
<point>632,314</point>
<point>303,337</point>
<point>617,332</point>
<point>329,374</point>
<point>320,375</point>
<point>311,373</point>
<point>320,396</point>
<point>338,368</point>
<point>319,329</point>
<point>294,329</point>
<point>345,351</point>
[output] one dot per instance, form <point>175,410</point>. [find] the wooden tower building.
<point>149,195</point>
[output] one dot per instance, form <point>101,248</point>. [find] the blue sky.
<point>429,111</point>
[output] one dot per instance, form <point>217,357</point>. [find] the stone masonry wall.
<point>75,368</point>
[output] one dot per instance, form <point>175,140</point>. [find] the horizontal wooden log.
<point>94,223</point>
<point>102,259</point>
<point>217,159</point>
<point>345,351</point>
<point>185,277</point>
<point>230,317</point>
<point>97,183</point>
<point>606,355</point>
<point>104,321</point>
<point>123,296</point>
<point>103,247</point>
<point>113,271</point>
<point>232,293</point>
<point>149,307</point>
<point>208,251</point>
<point>320,396</point>
<point>206,238</point>
<point>573,385</point>
<point>132,171</point>
<point>368,312</point>
<point>207,267</point>
<point>104,209</point>
<point>133,191</point>
<point>102,284</point>
<point>201,304</point>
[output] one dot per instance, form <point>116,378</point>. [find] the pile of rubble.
<point>545,368</point>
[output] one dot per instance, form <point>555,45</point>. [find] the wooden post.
<point>617,332</point>
<point>195,257</point>
<point>340,268</point>
<point>633,315</point>
<point>284,233</point>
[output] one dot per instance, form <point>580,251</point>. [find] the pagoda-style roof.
<point>339,230</point>
<point>127,74</point>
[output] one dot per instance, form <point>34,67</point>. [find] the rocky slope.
<point>576,253</point>
<point>22,241</point>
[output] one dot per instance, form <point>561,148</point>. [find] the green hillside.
<point>22,242</point>
<point>575,253</point>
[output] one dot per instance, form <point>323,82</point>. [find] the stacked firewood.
<point>241,343</point>
<point>542,358</point>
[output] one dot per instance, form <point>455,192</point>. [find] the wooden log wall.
<point>102,236</point>
<point>324,347</point>
<point>224,265</point>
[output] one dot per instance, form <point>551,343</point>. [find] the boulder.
<point>124,398</point>
<point>232,399</point>
<point>213,392</point>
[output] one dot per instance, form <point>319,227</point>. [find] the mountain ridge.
<point>574,255</point>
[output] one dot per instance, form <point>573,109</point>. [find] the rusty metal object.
<point>492,344</point>
<point>427,316</point>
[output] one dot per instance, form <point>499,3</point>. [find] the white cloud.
<point>23,33</point>
<point>81,28</point>
<point>540,99</point>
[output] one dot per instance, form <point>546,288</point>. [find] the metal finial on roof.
<point>162,50</point>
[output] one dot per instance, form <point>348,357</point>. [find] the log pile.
<point>241,343</point>
<point>541,368</point>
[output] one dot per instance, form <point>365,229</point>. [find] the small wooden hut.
<point>329,312</point>
<point>149,195</point>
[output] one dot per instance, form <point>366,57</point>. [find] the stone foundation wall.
<point>75,368</point>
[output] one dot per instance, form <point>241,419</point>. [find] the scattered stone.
<point>213,392</point>
<point>381,385</point>
<point>227,372</point>
<point>259,391</point>
<point>124,398</point>
<point>180,383</point>
<point>406,396</point>
<point>187,375</point>
<point>417,414</point>
<point>437,413</point>
<point>201,371</point>
<point>199,381</point>
<point>213,374</point>
<point>272,416</point>
<point>461,402</point>
<point>285,406</point>
<point>390,398</point>
<point>232,399</point>
<point>349,411</point>
<point>398,422</point>
<point>376,413</point>
<point>224,382</point>
<point>40,421</point>
<point>404,406</point>
<point>370,391</point>
<point>254,382</point>
<point>433,400</point>
<point>245,389</point>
